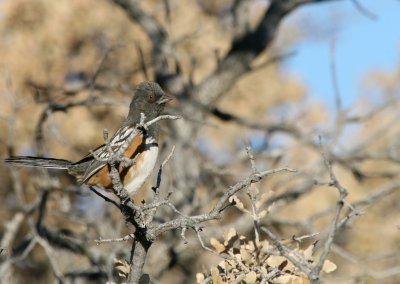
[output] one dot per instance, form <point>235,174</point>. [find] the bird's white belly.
<point>144,168</point>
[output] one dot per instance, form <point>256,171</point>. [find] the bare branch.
<point>51,256</point>
<point>244,50</point>
<point>198,230</point>
<point>334,224</point>
<point>155,32</point>
<point>123,239</point>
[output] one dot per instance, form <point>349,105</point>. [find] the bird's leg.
<point>127,162</point>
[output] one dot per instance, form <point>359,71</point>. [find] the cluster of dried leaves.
<point>253,261</point>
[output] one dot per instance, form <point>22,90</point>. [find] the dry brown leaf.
<point>251,277</point>
<point>283,266</point>
<point>265,245</point>
<point>304,278</point>
<point>308,253</point>
<point>217,245</point>
<point>237,203</point>
<point>230,237</point>
<point>262,214</point>
<point>228,266</point>
<point>328,266</point>
<point>264,270</point>
<point>238,256</point>
<point>239,278</point>
<point>214,275</point>
<point>288,279</point>
<point>275,260</point>
<point>230,263</point>
<point>121,267</point>
<point>246,256</point>
<point>200,277</point>
<point>222,265</point>
<point>234,251</point>
<point>249,246</point>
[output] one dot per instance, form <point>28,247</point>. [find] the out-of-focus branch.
<point>64,107</point>
<point>246,46</point>
<point>50,254</point>
<point>11,229</point>
<point>5,267</point>
<point>244,50</point>
<point>157,35</point>
<point>348,159</point>
<point>241,18</point>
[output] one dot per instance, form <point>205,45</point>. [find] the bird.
<point>93,169</point>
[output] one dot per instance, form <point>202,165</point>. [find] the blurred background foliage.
<point>50,49</point>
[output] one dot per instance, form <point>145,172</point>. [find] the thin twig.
<point>253,197</point>
<point>303,237</point>
<point>202,242</point>
<point>334,223</point>
<point>123,239</point>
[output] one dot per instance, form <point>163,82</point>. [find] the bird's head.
<point>149,99</point>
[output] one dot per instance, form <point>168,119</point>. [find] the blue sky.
<point>362,44</point>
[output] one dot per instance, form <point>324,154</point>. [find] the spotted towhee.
<point>93,169</point>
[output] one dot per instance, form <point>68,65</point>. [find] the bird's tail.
<point>29,161</point>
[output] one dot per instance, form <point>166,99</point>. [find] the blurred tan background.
<point>50,50</point>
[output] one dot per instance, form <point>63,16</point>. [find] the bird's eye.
<point>151,98</point>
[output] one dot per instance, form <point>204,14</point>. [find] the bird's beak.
<point>164,99</point>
